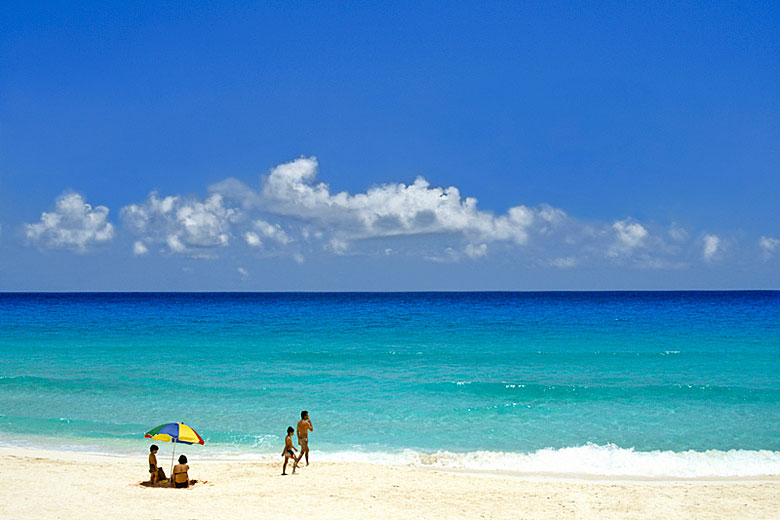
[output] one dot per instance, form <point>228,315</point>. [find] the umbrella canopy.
<point>174,432</point>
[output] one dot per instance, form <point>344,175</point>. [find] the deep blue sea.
<point>634,383</point>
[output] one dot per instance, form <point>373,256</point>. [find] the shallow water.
<point>620,381</point>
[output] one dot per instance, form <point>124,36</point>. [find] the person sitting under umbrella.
<point>180,477</point>
<point>176,433</point>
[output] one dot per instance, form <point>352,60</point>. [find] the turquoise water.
<point>684,383</point>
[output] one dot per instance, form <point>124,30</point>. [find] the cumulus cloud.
<point>139,248</point>
<point>769,246</point>
<point>262,230</point>
<point>175,244</point>
<point>253,239</point>
<point>243,272</point>
<point>73,224</point>
<point>271,231</point>
<point>629,235</point>
<point>395,209</point>
<point>711,246</point>
<point>183,225</point>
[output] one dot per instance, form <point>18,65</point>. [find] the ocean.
<point>683,384</point>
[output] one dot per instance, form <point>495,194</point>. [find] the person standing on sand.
<point>304,427</point>
<point>154,470</point>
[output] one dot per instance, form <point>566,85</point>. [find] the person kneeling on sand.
<point>180,477</point>
<point>289,451</point>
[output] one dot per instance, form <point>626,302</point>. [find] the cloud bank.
<point>291,213</point>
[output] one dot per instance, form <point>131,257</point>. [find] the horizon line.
<point>441,291</point>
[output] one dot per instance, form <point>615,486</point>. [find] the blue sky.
<point>389,146</point>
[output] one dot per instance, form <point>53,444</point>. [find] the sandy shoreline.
<point>49,484</point>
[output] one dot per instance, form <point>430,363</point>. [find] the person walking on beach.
<point>304,427</point>
<point>289,451</point>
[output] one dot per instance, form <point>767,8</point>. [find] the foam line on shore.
<point>589,459</point>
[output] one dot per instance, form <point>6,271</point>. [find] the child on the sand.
<point>289,451</point>
<point>155,472</point>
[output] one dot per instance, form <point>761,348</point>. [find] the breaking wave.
<point>590,459</point>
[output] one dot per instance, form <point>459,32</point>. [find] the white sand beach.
<point>49,484</point>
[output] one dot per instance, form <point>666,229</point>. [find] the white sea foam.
<point>590,459</point>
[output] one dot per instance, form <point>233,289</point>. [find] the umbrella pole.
<point>172,456</point>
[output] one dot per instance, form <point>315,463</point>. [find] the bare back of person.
<point>180,475</point>
<point>303,430</point>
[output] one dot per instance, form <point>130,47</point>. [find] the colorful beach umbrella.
<point>174,432</point>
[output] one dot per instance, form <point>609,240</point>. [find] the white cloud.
<point>236,190</point>
<point>550,217</point>
<point>769,245</point>
<point>184,225</point>
<point>243,272</point>
<point>253,239</point>
<point>264,233</point>
<point>271,231</point>
<point>139,248</point>
<point>395,209</point>
<point>475,252</point>
<point>292,206</point>
<point>628,236</point>
<point>711,246</point>
<point>174,243</point>
<point>73,224</point>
